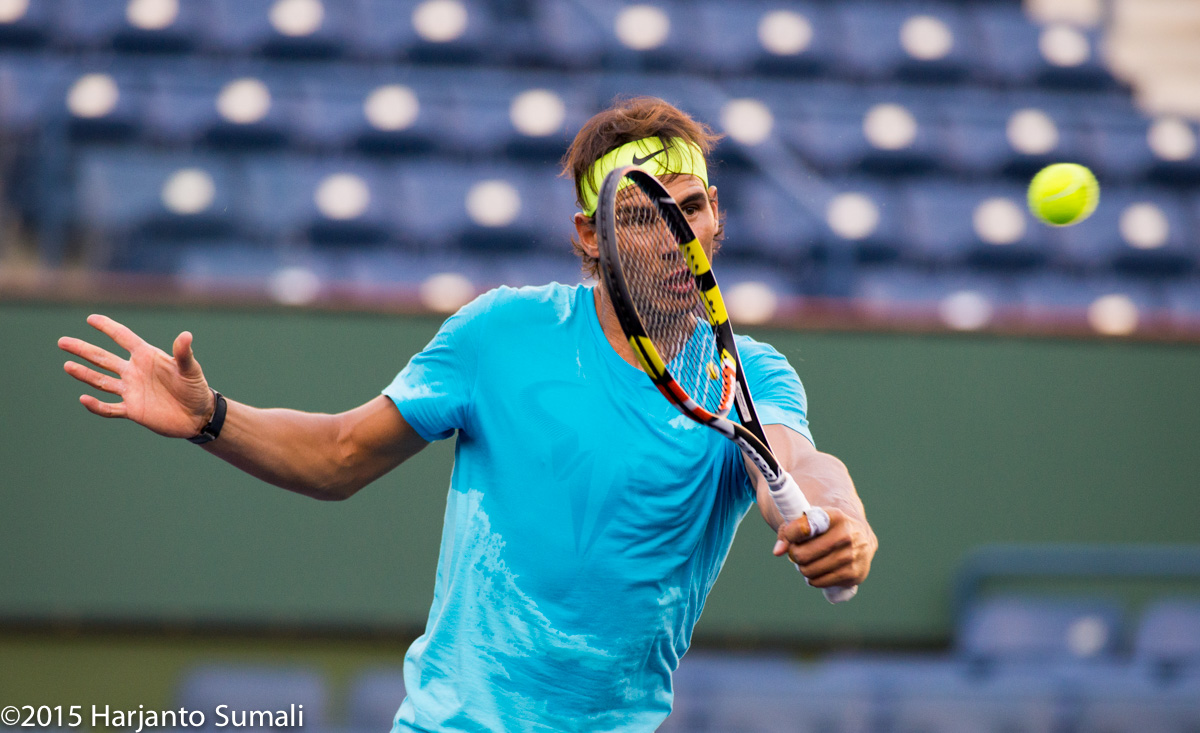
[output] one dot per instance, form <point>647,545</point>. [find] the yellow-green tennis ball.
<point>1063,194</point>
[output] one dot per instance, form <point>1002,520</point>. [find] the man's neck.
<point>612,327</point>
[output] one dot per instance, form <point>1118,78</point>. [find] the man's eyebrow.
<point>696,198</point>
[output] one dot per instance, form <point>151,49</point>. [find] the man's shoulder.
<point>529,304</point>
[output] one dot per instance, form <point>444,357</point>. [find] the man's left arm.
<point>840,556</point>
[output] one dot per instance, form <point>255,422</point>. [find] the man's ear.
<point>587,234</point>
<point>712,202</point>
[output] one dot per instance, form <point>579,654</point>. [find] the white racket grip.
<point>790,500</point>
<point>791,503</point>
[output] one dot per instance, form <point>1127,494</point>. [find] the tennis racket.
<point>669,306</point>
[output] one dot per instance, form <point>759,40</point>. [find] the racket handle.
<point>792,503</point>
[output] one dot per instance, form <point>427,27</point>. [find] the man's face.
<point>656,271</point>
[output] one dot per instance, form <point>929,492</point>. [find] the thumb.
<point>184,358</point>
<point>782,540</point>
<point>796,531</point>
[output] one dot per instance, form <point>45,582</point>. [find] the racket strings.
<point>669,305</point>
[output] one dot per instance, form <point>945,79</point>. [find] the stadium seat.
<point>1016,629</point>
<point>763,694</point>
<point>292,276</point>
<point>484,210</point>
<point>1182,303</point>
<point>30,86</point>
<point>375,115</point>
<point>947,698</point>
<point>763,222</point>
<point>1123,699</point>
<point>647,37</point>
<point>1168,637</point>
<point>109,25</point>
<point>484,128</point>
<point>1078,115</point>
<point>821,121</point>
<point>386,271</point>
<point>373,699</point>
<point>764,38</point>
<point>1118,148</point>
<point>125,195</point>
<point>1192,203</point>
<point>532,117</point>
<point>285,30</point>
<point>463,31</point>
<point>913,41</point>
<point>33,27</point>
<point>104,101</point>
<point>255,688</point>
<point>787,99</point>
<point>887,133</point>
<point>863,220</point>
<point>432,192</point>
<point>697,95</point>
<point>960,300</point>
<point>553,263</point>
<point>559,34</point>
<point>1018,53</point>
<point>324,202</point>
<point>1176,145</point>
<point>1012,136</point>
<point>1112,305</point>
<point>227,108</point>
<point>973,129</point>
<point>982,225</point>
<point>1137,231</point>
<point>921,693</point>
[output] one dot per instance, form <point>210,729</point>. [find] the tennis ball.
<point>1063,194</point>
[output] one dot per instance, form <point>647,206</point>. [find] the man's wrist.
<point>212,430</point>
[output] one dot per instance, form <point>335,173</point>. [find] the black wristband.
<point>213,429</point>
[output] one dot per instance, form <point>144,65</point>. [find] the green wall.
<point>954,441</point>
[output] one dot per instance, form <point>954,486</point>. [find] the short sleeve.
<point>778,394</point>
<point>434,391</point>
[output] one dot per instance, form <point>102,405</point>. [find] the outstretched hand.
<point>166,393</point>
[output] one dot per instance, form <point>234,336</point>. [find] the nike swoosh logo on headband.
<point>642,161</point>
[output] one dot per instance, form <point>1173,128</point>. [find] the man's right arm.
<point>324,456</point>
<point>327,457</point>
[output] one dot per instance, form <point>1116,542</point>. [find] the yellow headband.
<point>681,158</point>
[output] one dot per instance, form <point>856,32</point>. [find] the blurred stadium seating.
<point>242,688</point>
<point>143,132</point>
<point>1020,664</point>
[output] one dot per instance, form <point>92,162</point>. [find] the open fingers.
<point>103,409</point>
<point>93,378</point>
<point>119,333</point>
<point>94,354</point>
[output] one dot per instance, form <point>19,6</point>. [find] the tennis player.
<point>586,519</point>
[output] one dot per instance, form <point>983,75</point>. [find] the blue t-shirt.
<point>586,522</point>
